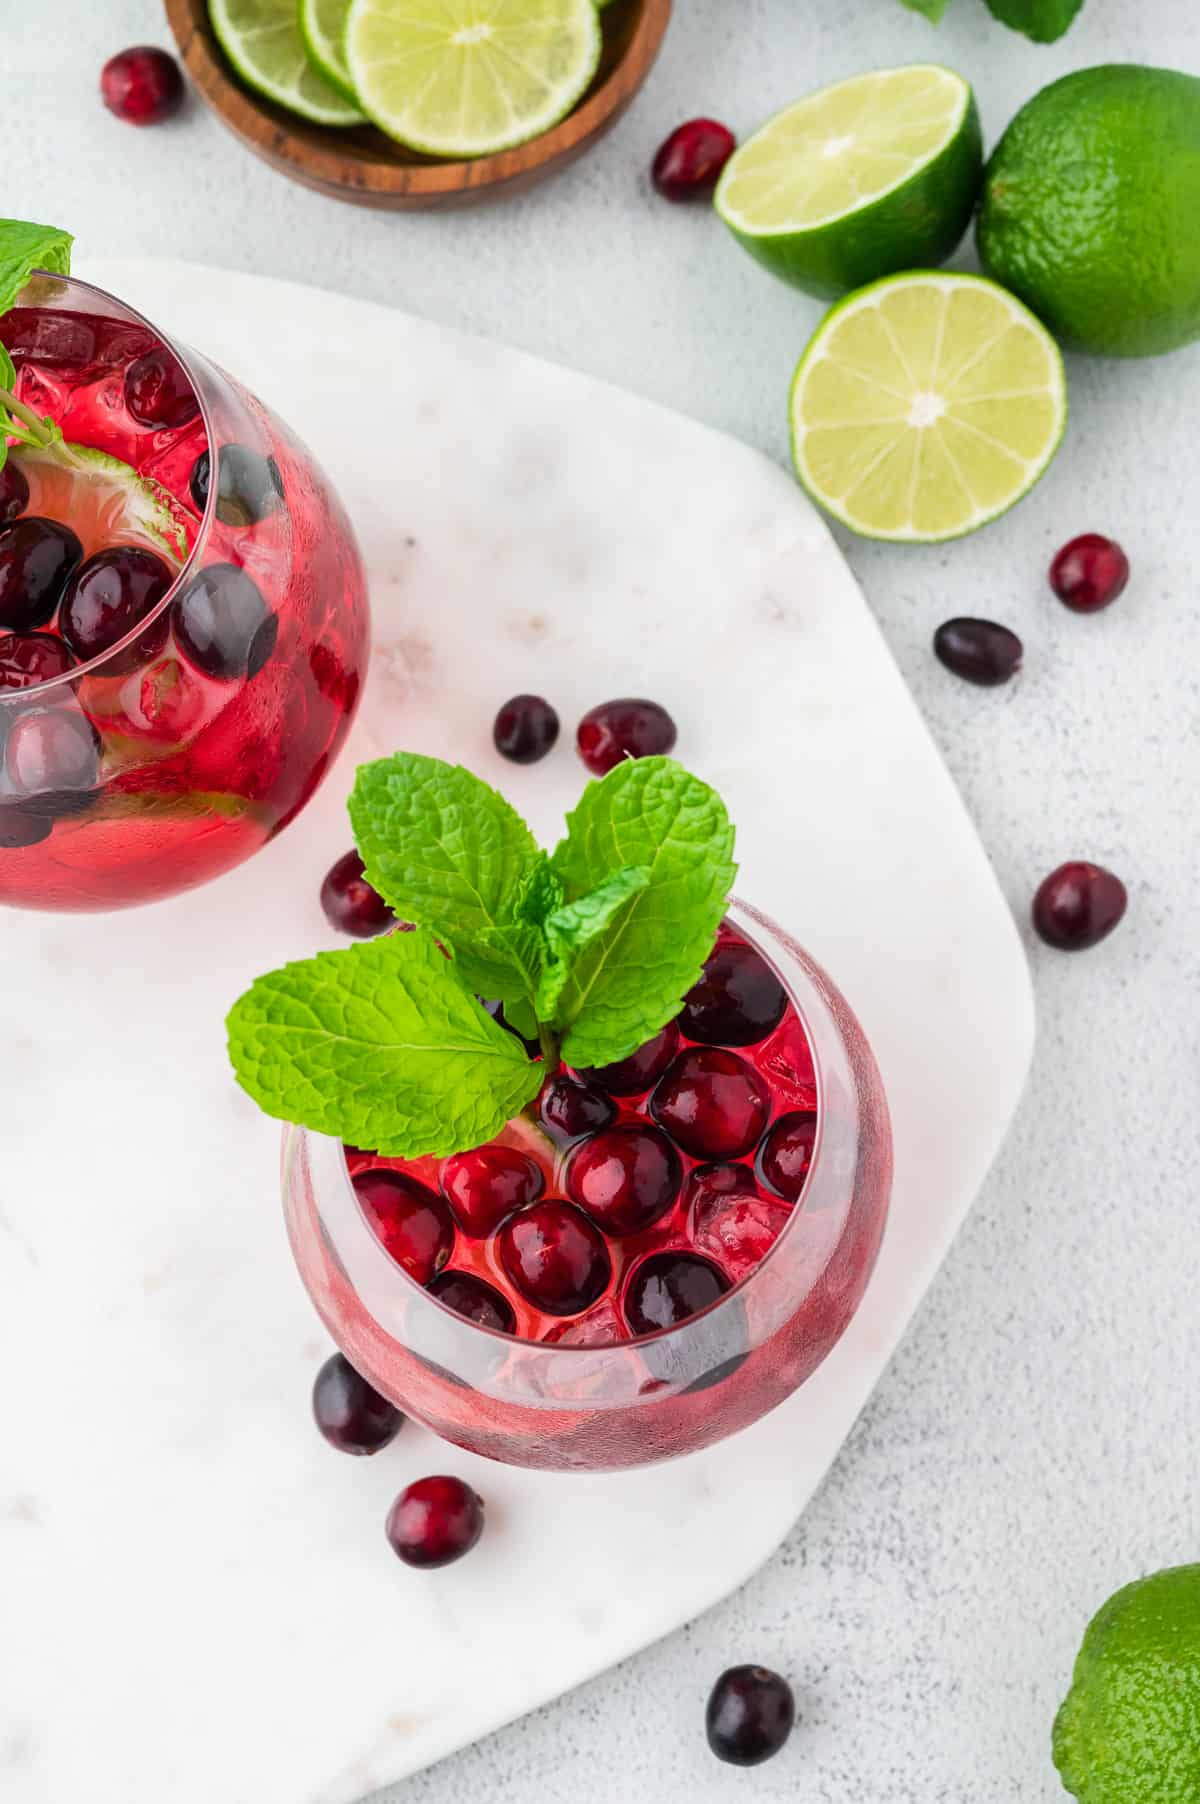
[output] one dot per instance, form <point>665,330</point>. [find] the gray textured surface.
<point>1029,1449</point>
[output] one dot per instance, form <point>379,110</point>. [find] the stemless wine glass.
<point>600,1408</point>
<point>182,747</point>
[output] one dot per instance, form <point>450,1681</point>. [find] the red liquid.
<point>773,1285</point>
<point>732,1231</point>
<point>196,770</point>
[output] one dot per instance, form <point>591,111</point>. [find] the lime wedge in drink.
<point>876,174</point>
<point>106,501</point>
<point>263,41</point>
<point>323,27</point>
<point>465,78</point>
<point>926,405</point>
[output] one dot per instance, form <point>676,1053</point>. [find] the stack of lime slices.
<point>449,78</point>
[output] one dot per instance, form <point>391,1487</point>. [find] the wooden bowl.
<point>364,166</point>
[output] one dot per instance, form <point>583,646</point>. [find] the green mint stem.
<point>551,1049</point>
<point>39,430</point>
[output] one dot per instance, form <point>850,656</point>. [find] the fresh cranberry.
<point>434,1522</point>
<point>249,486</point>
<point>475,1300</point>
<point>30,658</point>
<point>107,597</point>
<point>642,1069</point>
<point>572,1109</point>
<point>737,1002</point>
<point>690,161</point>
<point>20,827</point>
<point>712,1103</point>
<point>158,392</point>
<point>1078,905</point>
<point>224,625</point>
<point>623,729</point>
<point>14,492</point>
<point>787,1153</point>
<point>625,1177</point>
<point>143,86</point>
<point>53,751</point>
<point>350,1413</point>
<point>1089,573</point>
<point>249,489</point>
<point>410,1220</point>
<point>979,651</point>
<point>37,559</point>
<point>667,1288</point>
<point>555,1257</point>
<point>484,1186</point>
<point>751,1713</point>
<point>526,729</point>
<point>350,904</point>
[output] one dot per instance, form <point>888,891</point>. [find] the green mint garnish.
<point>591,950</point>
<point>25,248</point>
<point>382,1046</point>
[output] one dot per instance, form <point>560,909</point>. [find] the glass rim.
<point>95,666</point>
<point>742,911</point>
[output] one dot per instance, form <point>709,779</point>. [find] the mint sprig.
<point>382,1046</point>
<point>591,950</point>
<point>25,248</point>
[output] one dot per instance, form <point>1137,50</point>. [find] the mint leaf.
<point>652,815</point>
<point>446,851</point>
<point>380,1045</point>
<point>574,929</point>
<point>540,892</point>
<point>932,9</point>
<point>1042,20</point>
<point>25,247</point>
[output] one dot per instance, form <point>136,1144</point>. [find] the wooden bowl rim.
<point>245,113</point>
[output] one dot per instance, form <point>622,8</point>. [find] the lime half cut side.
<point>870,176</point>
<point>323,27</point>
<point>926,405</point>
<point>263,41</point>
<point>467,78</point>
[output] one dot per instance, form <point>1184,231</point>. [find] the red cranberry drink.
<point>630,1213</point>
<point>183,621</point>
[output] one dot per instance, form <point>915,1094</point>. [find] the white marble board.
<point>198,1603</point>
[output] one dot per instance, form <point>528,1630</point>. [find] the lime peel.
<point>263,41</point>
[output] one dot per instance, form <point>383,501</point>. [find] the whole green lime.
<point>1129,1732</point>
<point>1091,209</point>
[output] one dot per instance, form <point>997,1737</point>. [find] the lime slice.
<point>465,78</point>
<point>105,500</point>
<point>873,175</point>
<point>926,405</point>
<point>323,26</point>
<point>263,41</point>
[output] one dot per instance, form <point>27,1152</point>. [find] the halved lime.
<point>263,41</point>
<point>876,174</point>
<point>323,26</point>
<point>926,405</point>
<point>465,78</point>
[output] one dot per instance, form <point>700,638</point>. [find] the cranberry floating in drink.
<point>632,1214</point>
<point>177,668</point>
